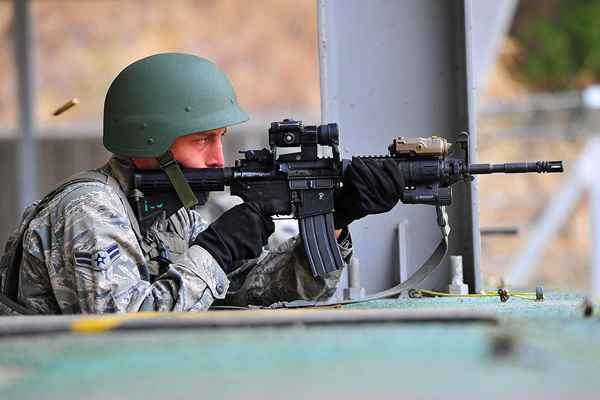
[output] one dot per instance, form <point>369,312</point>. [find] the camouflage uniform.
<point>81,255</point>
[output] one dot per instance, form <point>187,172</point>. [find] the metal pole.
<point>595,250</point>
<point>592,184</point>
<point>27,157</point>
<point>402,251</point>
<point>467,93</point>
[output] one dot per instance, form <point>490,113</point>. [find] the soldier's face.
<point>200,150</point>
<point>197,150</point>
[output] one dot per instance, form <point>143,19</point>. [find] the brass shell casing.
<point>69,104</point>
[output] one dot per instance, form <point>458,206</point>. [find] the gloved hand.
<point>238,234</point>
<point>369,187</point>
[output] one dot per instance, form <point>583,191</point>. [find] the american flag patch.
<point>99,260</point>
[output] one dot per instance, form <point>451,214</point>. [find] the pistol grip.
<point>320,244</point>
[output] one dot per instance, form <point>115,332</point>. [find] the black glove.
<point>370,187</point>
<point>238,234</point>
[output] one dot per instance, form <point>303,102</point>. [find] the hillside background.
<point>269,50</point>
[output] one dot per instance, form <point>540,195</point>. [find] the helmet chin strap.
<point>180,184</point>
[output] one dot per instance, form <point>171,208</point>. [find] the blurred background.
<point>538,101</point>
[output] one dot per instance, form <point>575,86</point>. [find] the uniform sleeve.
<point>104,266</point>
<point>282,274</point>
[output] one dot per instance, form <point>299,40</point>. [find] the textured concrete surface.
<point>537,350</point>
<point>556,305</point>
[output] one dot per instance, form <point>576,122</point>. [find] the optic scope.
<point>290,133</point>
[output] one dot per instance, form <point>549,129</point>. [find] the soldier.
<point>80,249</point>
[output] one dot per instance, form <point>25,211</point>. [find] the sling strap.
<point>415,279</point>
<point>430,265</point>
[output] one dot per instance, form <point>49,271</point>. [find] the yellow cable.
<point>520,295</point>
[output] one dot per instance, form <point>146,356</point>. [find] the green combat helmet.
<point>157,99</point>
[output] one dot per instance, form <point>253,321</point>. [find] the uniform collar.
<point>122,170</point>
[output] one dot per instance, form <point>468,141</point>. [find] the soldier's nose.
<point>216,158</point>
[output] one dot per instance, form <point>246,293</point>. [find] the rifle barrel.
<point>517,167</point>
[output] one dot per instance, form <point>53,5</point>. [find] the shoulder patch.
<point>98,260</point>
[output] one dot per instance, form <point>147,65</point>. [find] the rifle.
<point>302,184</point>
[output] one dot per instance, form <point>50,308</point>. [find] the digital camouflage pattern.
<point>81,255</point>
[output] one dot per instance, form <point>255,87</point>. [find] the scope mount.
<point>291,133</point>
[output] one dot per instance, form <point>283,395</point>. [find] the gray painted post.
<point>595,250</point>
<point>401,68</point>
<point>27,156</point>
